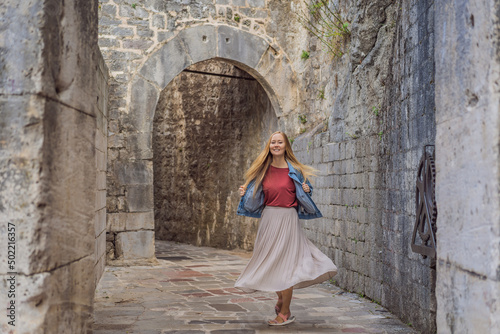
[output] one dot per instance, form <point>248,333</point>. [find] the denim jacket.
<point>251,206</point>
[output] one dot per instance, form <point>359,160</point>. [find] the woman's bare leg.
<point>286,296</point>
<point>280,298</point>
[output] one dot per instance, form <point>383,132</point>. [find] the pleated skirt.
<point>283,257</point>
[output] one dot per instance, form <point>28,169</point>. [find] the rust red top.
<point>278,187</point>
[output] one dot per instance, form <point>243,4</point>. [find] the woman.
<point>278,191</point>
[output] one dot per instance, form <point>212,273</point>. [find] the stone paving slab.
<point>191,292</point>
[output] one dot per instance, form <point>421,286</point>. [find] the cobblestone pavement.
<point>191,291</point>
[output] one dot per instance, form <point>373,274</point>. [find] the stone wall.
<point>366,117</point>
<point>140,73</point>
<point>207,131</point>
<point>52,97</point>
<point>101,157</point>
<point>468,134</point>
<point>362,119</point>
<point>368,159</point>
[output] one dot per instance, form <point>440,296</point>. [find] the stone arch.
<point>265,62</point>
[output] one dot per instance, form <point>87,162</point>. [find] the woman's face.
<point>277,146</point>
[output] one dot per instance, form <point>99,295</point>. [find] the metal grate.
<point>424,232</point>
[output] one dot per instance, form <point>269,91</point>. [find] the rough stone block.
<point>100,161</point>
<point>134,172</point>
<point>139,146</point>
<point>143,103</point>
<point>109,10</point>
<point>158,21</point>
<point>200,42</point>
<point>100,199</point>
<point>69,191</point>
<point>166,63</point>
<point>101,180</point>
<point>100,221</point>
<point>164,35</point>
<point>139,44</point>
<point>318,155</point>
<point>109,43</point>
<point>135,245</point>
<point>256,3</point>
<point>122,32</point>
<point>240,46</point>
<point>116,222</point>
<point>139,198</point>
<point>144,32</point>
<point>130,221</point>
<point>100,246</point>
<point>41,285</point>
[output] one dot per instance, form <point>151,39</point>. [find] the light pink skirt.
<point>283,257</point>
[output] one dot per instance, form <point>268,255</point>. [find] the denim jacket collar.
<point>251,206</point>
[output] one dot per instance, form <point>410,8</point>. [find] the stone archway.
<point>134,237</point>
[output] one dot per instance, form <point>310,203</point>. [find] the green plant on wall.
<point>321,94</point>
<point>134,5</point>
<point>237,17</point>
<point>303,119</point>
<point>324,21</point>
<point>352,136</point>
<point>304,55</point>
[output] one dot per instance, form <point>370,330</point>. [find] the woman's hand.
<point>306,187</point>
<point>242,190</point>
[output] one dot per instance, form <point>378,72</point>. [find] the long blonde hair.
<point>260,165</point>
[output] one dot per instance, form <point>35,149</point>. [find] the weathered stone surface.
<point>19,38</point>
<point>119,222</point>
<point>257,3</point>
<point>280,81</point>
<point>373,167</point>
<point>143,100</point>
<point>68,197</point>
<point>100,223</point>
<point>166,63</point>
<point>240,46</point>
<point>140,146</point>
<point>76,278</point>
<point>53,101</point>
<point>134,172</point>
<point>159,21</point>
<point>467,103</point>
<point>200,42</point>
<point>139,198</point>
<point>135,245</point>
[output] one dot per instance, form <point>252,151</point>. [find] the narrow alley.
<point>191,291</point>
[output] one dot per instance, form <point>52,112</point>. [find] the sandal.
<point>287,319</point>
